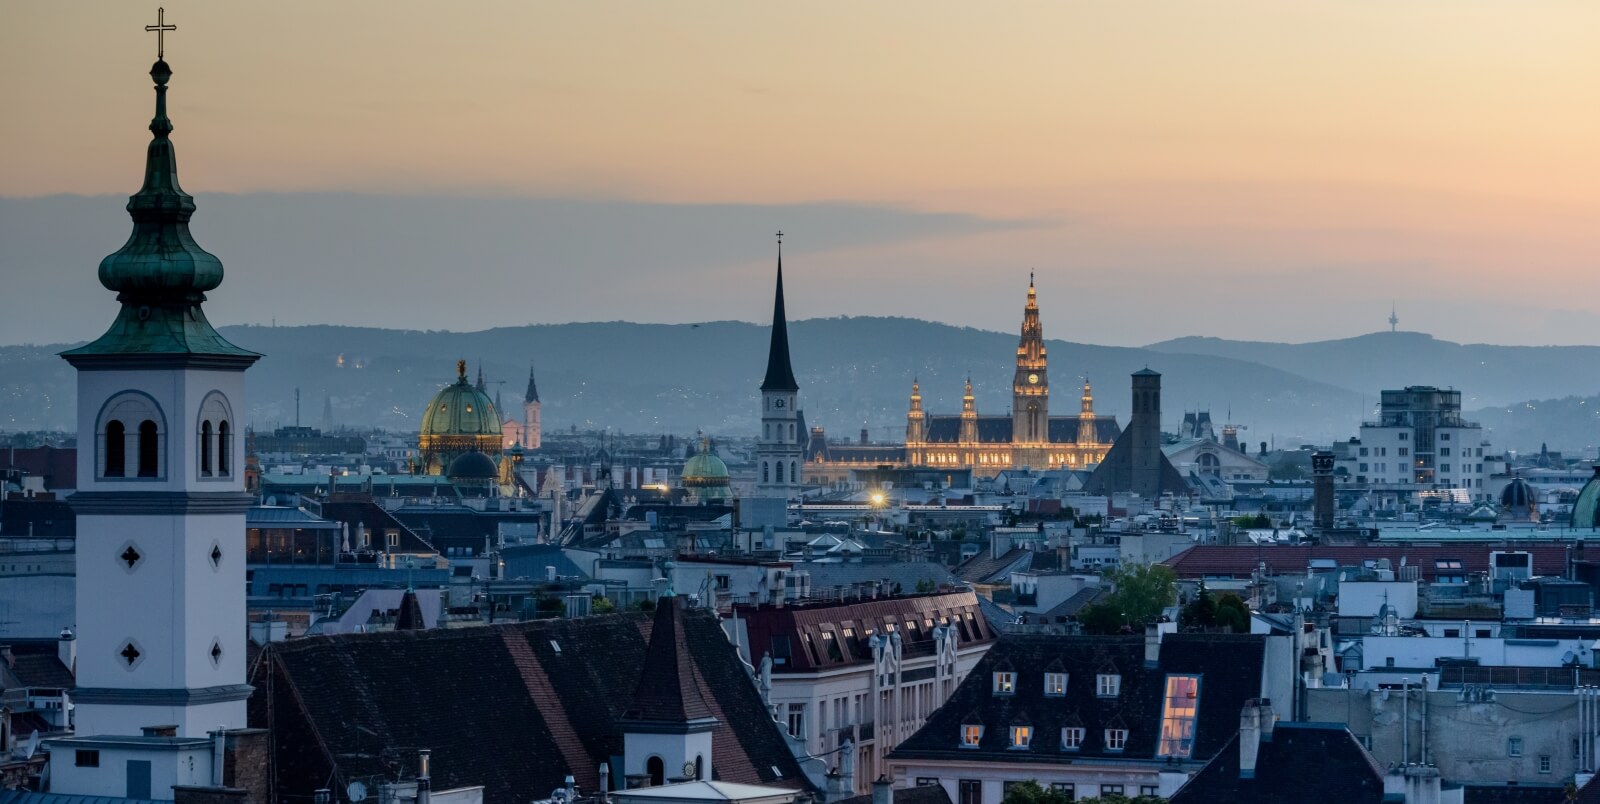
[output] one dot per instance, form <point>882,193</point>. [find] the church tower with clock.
<point>1030,389</point>
<point>778,454</point>
<point>161,501</point>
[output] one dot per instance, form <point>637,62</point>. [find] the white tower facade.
<point>778,454</point>
<point>161,499</point>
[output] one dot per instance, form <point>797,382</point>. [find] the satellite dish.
<point>356,791</point>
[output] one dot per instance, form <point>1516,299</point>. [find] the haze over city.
<point>1260,171</point>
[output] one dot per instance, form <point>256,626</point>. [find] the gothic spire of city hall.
<point>161,275</point>
<point>780,376</point>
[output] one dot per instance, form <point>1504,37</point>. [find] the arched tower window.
<point>766,476</point>
<point>149,448</point>
<point>213,432</point>
<point>128,449</point>
<point>699,767</point>
<point>224,449</point>
<point>657,770</point>
<point>780,472</point>
<point>794,477</point>
<point>206,441</point>
<point>116,449</point>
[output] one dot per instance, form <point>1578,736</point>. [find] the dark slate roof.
<point>780,375</point>
<point>512,707</point>
<point>529,561</point>
<point>1064,429</point>
<point>826,576</point>
<point>1229,666</point>
<point>926,794</point>
<point>797,636</point>
<point>669,688</point>
<point>1076,601</point>
<point>857,453</point>
<point>982,568</point>
<point>1518,794</point>
<point>358,509</point>
<point>1588,794</point>
<point>1304,763</point>
<point>41,670</point>
<point>1210,560</point>
<point>30,797</point>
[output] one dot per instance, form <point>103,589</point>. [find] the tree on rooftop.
<point>1139,593</point>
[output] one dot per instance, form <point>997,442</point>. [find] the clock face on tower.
<point>1033,379</point>
<point>778,403</point>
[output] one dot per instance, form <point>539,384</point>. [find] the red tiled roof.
<point>57,465</point>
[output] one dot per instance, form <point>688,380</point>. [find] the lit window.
<point>1021,736</point>
<point>1178,716</point>
<point>1116,739</point>
<point>1005,683</point>
<point>1071,738</point>
<point>971,734</point>
<point>1109,685</point>
<point>1055,684</point>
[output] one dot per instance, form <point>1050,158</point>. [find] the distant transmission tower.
<point>1394,320</point>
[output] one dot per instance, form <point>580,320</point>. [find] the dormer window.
<point>971,735</point>
<point>1071,738</point>
<point>1005,683</point>
<point>1116,739</point>
<point>1055,685</point>
<point>1108,685</point>
<point>1021,736</point>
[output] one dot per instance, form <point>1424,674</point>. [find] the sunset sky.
<point>1262,170</point>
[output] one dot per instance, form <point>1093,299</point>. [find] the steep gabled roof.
<point>1230,667</point>
<point>669,690</point>
<point>1303,763</point>
<point>513,707</point>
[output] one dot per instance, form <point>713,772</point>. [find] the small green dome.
<point>460,410</point>
<point>704,469</point>
<point>1586,511</point>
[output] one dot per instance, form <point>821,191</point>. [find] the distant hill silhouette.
<point>853,372</point>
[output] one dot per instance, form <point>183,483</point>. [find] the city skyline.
<point>1182,164</point>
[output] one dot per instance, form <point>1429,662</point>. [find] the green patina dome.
<point>704,469</point>
<point>1586,511</point>
<point>461,409</point>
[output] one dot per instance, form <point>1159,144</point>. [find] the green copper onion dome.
<point>1586,511</point>
<point>161,275</point>
<point>161,263</point>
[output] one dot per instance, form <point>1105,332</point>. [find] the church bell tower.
<point>161,499</point>
<point>1030,389</point>
<point>778,453</point>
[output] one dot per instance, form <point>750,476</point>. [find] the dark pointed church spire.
<point>780,375</point>
<point>668,691</point>
<point>533,390</point>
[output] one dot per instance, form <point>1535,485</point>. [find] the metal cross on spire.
<point>780,237</point>
<point>161,27</point>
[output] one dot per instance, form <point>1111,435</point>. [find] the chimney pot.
<point>1249,738</point>
<point>883,791</point>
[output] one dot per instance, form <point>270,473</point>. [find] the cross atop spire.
<point>160,28</point>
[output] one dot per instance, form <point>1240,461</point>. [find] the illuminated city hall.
<point>987,444</point>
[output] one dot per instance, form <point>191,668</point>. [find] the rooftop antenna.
<point>1394,320</point>
<point>297,407</point>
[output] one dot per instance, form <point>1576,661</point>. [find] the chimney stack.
<point>424,781</point>
<point>1322,507</point>
<point>67,650</point>
<point>1249,738</point>
<point>219,756</point>
<point>1267,718</point>
<point>882,791</point>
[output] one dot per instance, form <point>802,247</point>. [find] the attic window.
<point>775,771</point>
<point>1005,683</point>
<point>1021,736</point>
<point>1178,716</point>
<point>1116,739</point>
<point>555,646</point>
<point>1447,564</point>
<point>1108,685</point>
<point>971,734</point>
<point>1055,685</point>
<point>1071,738</point>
